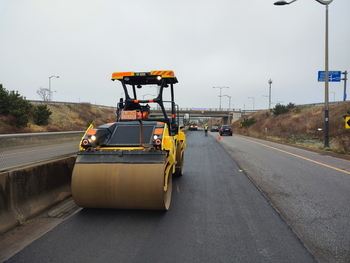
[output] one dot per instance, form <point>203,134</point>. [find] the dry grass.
<point>70,117</point>
<point>301,126</point>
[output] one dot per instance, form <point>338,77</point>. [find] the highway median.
<point>29,190</point>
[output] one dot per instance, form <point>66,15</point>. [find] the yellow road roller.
<point>128,164</point>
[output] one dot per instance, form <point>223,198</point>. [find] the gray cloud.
<point>240,44</point>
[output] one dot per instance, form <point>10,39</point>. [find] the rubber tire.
<point>168,193</point>
<point>179,159</point>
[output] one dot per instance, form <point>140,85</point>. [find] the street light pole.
<point>220,94</point>
<point>326,79</point>
<point>270,82</point>
<point>50,93</point>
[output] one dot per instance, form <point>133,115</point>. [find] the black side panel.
<point>128,134</point>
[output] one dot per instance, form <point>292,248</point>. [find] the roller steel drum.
<point>121,185</point>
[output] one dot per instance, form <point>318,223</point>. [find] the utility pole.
<point>345,79</point>
<point>270,82</point>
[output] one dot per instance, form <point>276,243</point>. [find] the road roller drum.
<point>129,164</point>
<point>131,186</point>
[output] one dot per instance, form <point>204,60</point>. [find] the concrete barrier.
<point>28,191</point>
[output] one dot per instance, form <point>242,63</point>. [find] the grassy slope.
<point>70,117</point>
<point>300,125</point>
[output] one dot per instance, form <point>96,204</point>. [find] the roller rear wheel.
<point>179,168</point>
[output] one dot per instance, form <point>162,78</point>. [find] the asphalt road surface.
<point>19,156</point>
<point>217,214</point>
<point>311,191</point>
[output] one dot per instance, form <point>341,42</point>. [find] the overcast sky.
<point>239,44</point>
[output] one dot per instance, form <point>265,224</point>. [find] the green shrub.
<point>290,105</point>
<point>280,109</point>
<point>41,115</point>
<point>247,122</point>
<point>12,103</point>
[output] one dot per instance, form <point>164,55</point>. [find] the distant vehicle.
<point>214,129</point>
<point>225,129</point>
<point>193,126</point>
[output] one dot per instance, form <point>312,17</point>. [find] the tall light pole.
<point>50,93</point>
<point>326,79</point>
<point>270,82</point>
<point>253,101</point>
<point>220,94</point>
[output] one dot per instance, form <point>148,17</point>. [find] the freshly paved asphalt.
<point>217,215</point>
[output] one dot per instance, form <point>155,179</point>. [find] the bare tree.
<point>44,94</point>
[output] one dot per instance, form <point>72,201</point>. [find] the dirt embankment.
<point>68,117</point>
<point>303,125</point>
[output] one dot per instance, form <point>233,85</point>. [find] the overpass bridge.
<point>228,115</point>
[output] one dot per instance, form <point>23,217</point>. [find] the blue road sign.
<point>333,76</point>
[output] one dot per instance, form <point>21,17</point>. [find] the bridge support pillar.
<point>226,121</point>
